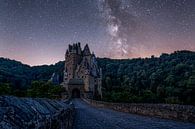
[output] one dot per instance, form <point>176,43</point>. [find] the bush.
<point>5,89</point>
<point>42,89</point>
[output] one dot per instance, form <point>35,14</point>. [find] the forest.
<point>169,78</point>
<point>22,80</point>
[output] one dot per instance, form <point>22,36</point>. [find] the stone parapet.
<point>28,113</point>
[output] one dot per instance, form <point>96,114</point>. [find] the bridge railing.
<point>28,113</point>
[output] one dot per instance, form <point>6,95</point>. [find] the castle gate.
<point>75,93</point>
<point>76,88</point>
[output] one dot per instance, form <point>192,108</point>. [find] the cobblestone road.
<point>88,117</point>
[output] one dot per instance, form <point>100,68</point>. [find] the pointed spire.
<point>86,50</point>
<point>67,52</point>
<point>79,48</point>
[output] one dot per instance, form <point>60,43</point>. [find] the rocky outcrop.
<point>167,111</point>
<point>28,113</point>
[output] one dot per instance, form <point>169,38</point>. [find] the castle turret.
<point>72,59</point>
<point>86,51</point>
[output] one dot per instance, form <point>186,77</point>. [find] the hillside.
<point>169,78</point>
<point>21,75</point>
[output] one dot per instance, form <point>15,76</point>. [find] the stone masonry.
<point>82,76</point>
<point>28,113</point>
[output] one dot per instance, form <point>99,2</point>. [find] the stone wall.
<point>167,111</point>
<point>28,113</point>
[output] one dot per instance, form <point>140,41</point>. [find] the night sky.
<point>38,31</point>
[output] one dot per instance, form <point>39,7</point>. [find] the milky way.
<point>121,24</point>
<point>39,31</point>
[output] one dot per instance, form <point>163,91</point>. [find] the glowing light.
<point>113,29</point>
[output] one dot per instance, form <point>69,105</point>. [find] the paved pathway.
<point>88,117</point>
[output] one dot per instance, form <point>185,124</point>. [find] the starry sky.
<point>38,32</point>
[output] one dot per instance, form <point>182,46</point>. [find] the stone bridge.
<point>28,113</point>
<point>90,117</point>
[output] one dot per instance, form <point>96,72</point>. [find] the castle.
<point>82,76</point>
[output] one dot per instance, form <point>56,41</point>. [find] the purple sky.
<point>38,31</point>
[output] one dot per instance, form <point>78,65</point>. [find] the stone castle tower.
<point>82,76</point>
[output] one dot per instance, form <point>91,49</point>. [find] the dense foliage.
<point>167,79</point>
<point>17,78</point>
<point>20,75</point>
<point>42,89</point>
<point>37,89</point>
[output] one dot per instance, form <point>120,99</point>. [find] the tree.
<point>44,90</point>
<point>191,81</point>
<point>108,83</point>
<point>5,89</point>
<point>148,96</point>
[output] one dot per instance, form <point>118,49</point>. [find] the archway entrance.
<point>75,93</point>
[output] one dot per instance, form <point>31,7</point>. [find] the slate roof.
<point>86,50</point>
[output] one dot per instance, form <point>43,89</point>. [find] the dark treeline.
<point>19,79</point>
<point>169,78</point>
<point>21,75</point>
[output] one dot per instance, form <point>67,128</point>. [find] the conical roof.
<point>86,50</point>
